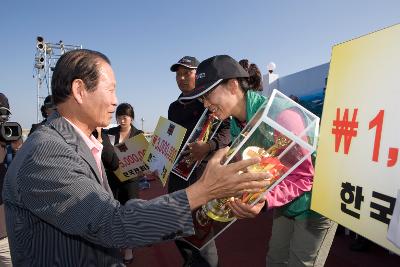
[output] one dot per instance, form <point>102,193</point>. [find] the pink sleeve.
<point>301,179</point>
<point>288,189</point>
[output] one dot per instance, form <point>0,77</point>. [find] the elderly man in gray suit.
<point>59,208</point>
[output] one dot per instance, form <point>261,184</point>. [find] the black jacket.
<point>122,191</point>
<point>36,125</point>
<point>116,131</point>
<point>187,115</point>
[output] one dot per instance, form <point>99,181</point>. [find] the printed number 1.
<point>378,123</point>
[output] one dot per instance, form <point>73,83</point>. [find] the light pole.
<point>271,67</point>
<point>46,57</point>
<point>142,120</point>
<point>270,80</point>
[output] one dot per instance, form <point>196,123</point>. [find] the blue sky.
<point>144,38</point>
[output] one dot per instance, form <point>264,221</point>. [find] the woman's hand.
<point>198,151</point>
<point>242,210</point>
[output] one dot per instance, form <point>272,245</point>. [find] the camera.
<point>9,131</point>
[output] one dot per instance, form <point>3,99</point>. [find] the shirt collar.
<point>91,141</point>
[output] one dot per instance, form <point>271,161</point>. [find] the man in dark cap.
<point>4,108</point>
<point>187,114</point>
<point>47,109</point>
<point>5,257</point>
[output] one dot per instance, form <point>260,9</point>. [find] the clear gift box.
<point>283,134</point>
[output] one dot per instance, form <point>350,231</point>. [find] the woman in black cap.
<point>226,89</point>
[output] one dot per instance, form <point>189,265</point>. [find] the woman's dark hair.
<point>255,78</point>
<point>245,64</point>
<point>43,111</point>
<point>76,64</point>
<point>243,83</point>
<point>125,109</point>
<point>253,82</point>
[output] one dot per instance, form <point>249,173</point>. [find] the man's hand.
<point>219,181</point>
<point>16,145</point>
<point>151,175</point>
<point>3,151</point>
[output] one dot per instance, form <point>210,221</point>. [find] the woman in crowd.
<point>298,233</point>
<point>123,191</point>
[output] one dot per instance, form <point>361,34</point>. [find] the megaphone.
<point>40,43</point>
<point>39,62</point>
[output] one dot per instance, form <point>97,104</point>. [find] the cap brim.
<point>174,67</point>
<point>5,111</point>
<point>199,91</point>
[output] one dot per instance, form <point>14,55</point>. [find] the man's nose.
<point>114,100</point>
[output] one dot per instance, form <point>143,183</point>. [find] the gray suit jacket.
<point>58,213</point>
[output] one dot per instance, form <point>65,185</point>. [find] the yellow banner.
<point>357,172</point>
<point>163,147</point>
<point>130,154</point>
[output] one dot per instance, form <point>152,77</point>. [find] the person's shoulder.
<point>175,104</point>
<point>45,143</point>
<point>255,94</point>
<point>135,131</point>
<point>174,109</point>
<point>113,130</point>
<point>33,128</point>
<point>44,134</point>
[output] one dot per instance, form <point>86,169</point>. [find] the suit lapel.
<point>86,155</point>
<point>105,181</point>
<point>65,129</point>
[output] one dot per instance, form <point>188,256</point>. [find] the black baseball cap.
<point>4,108</point>
<point>212,72</point>
<point>186,61</point>
<point>4,101</point>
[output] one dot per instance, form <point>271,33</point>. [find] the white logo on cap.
<point>200,75</point>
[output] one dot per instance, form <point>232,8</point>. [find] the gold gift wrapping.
<point>219,210</point>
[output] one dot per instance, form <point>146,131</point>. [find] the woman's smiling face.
<point>221,100</point>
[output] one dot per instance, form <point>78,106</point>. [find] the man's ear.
<point>78,89</point>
